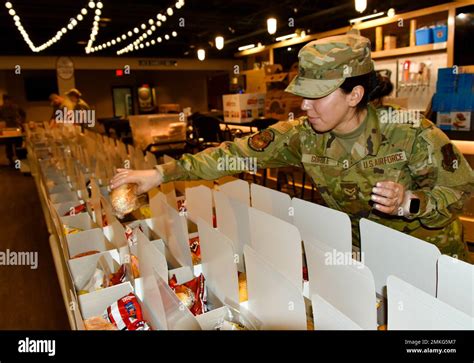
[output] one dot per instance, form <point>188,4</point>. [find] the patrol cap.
<point>325,63</point>
<point>75,92</point>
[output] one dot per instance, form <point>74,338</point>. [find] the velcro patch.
<point>389,159</point>
<point>261,140</point>
<point>318,160</point>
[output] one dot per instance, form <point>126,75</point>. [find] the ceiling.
<point>240,22</point>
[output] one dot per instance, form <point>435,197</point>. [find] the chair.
<point>206,131</point>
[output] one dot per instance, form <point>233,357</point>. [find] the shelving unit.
<point>445,12</point>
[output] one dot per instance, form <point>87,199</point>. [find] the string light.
<point>70,26</point>
<point>143,31</point>
<point>136,44</point>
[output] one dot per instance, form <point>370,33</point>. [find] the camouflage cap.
<point>325,63</point>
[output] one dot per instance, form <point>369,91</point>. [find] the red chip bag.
<point>126,314</point>
<point>192,293</point>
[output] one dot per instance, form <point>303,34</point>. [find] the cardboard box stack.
<point>454,100</point>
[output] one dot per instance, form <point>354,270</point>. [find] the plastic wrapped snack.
<point>236,320</point>
<point>192,293</point>
<point>124,199</point>
<point>126,314</point>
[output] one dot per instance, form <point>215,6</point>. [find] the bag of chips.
<point>126,314</point>
<point>192,293</point>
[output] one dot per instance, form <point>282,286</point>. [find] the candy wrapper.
<point>124,199</point>
<point>181,206</point>
<point>192,293</point>
<point>195,250</point>
<point>118,277</point>
<point>126,314</point>
<point>81,208</point>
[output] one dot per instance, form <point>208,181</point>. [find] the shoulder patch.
<point>261,140</point>
<point>450,158</point>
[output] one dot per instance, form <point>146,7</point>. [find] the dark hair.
<point>375,87</point>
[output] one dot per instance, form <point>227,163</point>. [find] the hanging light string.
<point>147,29</point>
<point>73,22</point>
<point>95,24</point>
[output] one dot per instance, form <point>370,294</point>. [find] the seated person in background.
<point>11,113</point>
<point>75,97</point>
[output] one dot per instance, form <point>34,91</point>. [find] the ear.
<point>355,96</point>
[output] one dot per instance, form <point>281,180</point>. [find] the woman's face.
<point>326,113</point>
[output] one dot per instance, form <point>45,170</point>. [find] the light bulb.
<point>91,4</point>
<point>201,53</point>
<point>271,25</point>
<point>219,42</point>
<point>169,11</point>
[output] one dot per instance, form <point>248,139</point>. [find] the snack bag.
<point>192,293</point>
<point>126,314</point>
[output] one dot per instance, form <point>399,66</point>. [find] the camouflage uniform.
<point>417,155</point>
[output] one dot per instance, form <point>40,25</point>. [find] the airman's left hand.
<point>389,197</point>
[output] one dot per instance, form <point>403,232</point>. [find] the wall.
<point>188,88</point>
<point>185,83</point>
<point>13,85</point>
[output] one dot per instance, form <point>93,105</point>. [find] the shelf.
<point>434,47</point>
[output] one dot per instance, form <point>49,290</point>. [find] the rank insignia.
<point>261,140</point>
<point>350,190</point>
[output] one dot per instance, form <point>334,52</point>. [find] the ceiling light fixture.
<point>219,41</point>
<point>360,5</point>
<point>367,17</point>
<point>271,25</point>
<point>245,47</point>
<point>285,37</point>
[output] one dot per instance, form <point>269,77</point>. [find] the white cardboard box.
<point>243,107</point>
